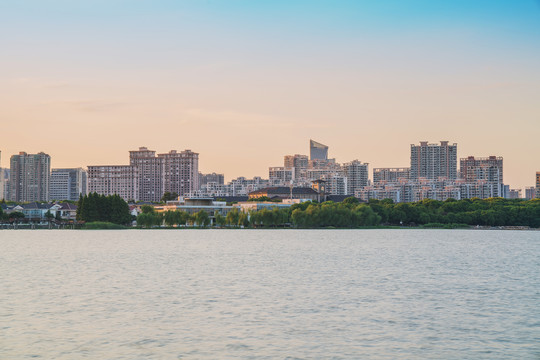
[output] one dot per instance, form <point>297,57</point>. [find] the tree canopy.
<point>94,207</point>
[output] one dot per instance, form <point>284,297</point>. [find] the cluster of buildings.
<point>148,176</point>
<point>433,174</point>
<point>38,212</point>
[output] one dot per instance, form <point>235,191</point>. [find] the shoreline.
<point>484,228</point>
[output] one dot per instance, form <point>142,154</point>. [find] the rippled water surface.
<point>283,294</point>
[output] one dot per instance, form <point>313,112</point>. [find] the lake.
<point>270,294</point>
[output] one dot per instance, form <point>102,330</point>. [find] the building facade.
<point>148,176</point>
<point>180,172</point>
<point>114,179</point>
<point>279,175</point>
<point>390,174</point>
<point>530,193</point>
<point>298,164</point>
<point>149,170</point>
<point>356,174</point>
<point>514,194</point>
<point>432,161</point>
<point>488,169</point>
<point>218,179</point>
<point>317,151</point>
<point>4,184</point>
<point>30,177</point>
<point>68,184</point>
<point>538,184</point>
<point>442,189</point>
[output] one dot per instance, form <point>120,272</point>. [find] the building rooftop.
<point>284,190</point>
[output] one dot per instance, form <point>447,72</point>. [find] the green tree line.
<point>488,212</point>
<point>112,208</point>
<point>353,214</point>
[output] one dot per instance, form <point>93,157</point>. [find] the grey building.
<point>204,179</point>
<point>317,151</point>
<point>67,184</point>
<point>432,161</point>
<point>4,184</point>
<point>357,175</point>
<point>530,193</point>
<point>30,177</point>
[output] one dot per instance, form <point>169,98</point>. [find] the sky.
<point>245,82</point>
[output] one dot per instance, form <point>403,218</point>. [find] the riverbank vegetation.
<point>449,214</point>
<point>98,211</point>
<point>473,212</point>
<point>102,225</point>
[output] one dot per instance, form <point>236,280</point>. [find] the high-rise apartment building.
<point>4,184</point>
<point>390,175</point>
<point>180,172</point>
<point>357,175</point>
<point>487,169</point>
<point>67,184</point>
<point>30,177</point>
<point>317,151</point>
<point>4,181</point>
<point>114,179</point>
<point>297,162</point>
<point>432,161</point>
<point>150,172</point>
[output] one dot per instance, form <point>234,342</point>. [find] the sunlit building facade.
<point>433,161</point>
<point>114,179</point>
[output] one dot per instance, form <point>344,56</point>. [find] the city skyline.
<point>328,149</point>
<point>240,82</point>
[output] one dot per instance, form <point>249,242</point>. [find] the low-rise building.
<point>248,206</point>
<point>530,193</point>
<point>283,192</point>
<point>193,206</point>
<point>390,174</point>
